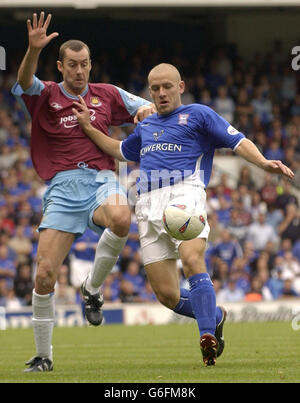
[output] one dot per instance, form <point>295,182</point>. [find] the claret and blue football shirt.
<point>57,141</point>
<point>175,146</point>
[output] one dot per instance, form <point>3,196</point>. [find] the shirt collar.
<point>67,94</point>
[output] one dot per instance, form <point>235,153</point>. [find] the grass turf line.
<point>254,352</point>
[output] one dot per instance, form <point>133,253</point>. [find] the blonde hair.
<point>162,67</point>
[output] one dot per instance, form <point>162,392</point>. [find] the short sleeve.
<point>29,98</point>
<point>35,89</point>
<point>130,147</point>
<point>123,105</point>
<point>221,133</point>
<point>132,102</point>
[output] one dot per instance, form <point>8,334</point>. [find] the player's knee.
<point>167,297</point>
<point>45,277</point>
<point>119,221</point>
<point>193,263</point>
<point>190,260</point>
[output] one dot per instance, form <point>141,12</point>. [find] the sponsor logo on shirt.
<point>161,147</point>
<point>71,120</point>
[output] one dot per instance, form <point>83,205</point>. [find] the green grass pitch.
<point>254,352</point>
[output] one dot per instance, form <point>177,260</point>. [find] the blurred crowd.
<point>253,251</point>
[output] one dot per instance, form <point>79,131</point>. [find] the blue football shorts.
<point>72,197</point>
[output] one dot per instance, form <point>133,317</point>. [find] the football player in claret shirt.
<point>175,149</point>
<point>82,187</point>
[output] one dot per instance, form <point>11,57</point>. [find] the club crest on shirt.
<point>157,135</point>
<point>183,118</point>
<point>95,101</point>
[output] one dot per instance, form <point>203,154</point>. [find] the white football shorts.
<point>156,244</point>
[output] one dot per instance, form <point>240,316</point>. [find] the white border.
<point>91,4</point>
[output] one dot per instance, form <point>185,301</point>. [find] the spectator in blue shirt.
<point>7,267</point>
<point>224,211</point>
<point>133,236</point>
<point>111,287</point>
<point>296,250</point>
<point>275,282</point>
<point>227,249</point>
<point>288,289</point>
<point>147,294</point>
<point>231,292</point>
<point>274,151</point>
<point>3,291</point>
<point>82,256</point>
<point>133,275</point>
<point>240,272</point>
<point>213,79</point>
<point>262,107</point>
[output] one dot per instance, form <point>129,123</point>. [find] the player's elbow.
<point>25,83</point>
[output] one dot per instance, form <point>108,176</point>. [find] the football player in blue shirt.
<point>175,149</point>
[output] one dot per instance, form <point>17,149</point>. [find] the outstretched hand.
<point>37,32</point>
<point>248,150</point>
<point>277,167</point>
<point>82,113</point>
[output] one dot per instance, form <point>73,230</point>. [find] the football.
<point>182,220</point>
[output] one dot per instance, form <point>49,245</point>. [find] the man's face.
<point>165,89</point>
<point>75,69</point>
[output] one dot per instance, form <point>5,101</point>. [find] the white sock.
<point>108,250</point>
<point>43,323</point>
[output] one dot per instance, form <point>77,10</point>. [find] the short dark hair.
<point>74,45</point>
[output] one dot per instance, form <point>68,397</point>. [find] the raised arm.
<point>105,143</point>
<point>37,40</point>
<point>248,150</point>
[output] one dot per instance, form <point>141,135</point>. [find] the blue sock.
<point>203,302</point>
<point>184,306</point>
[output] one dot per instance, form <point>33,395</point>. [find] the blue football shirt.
<point>175,146</point>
